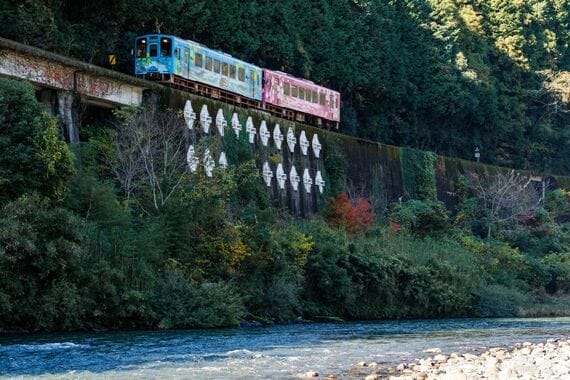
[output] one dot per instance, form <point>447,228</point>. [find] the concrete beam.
<point>89,82</point>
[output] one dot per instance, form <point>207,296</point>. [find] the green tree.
<point>41,257</point>
<point>32,156</point>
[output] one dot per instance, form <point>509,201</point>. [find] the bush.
<point>355,217</point>
<point>41,261</point>
<point>421,217</point>
<point>382,275</point>
<point>558,267</point>
<point>500,301</point>
<point>180,303</point>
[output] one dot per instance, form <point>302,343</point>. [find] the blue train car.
<point>170,55</point>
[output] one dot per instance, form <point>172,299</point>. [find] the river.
<point>277,352</point>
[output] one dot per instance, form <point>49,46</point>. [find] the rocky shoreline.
<point>550,360</point>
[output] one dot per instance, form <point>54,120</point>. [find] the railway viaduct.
<point>63,84</point>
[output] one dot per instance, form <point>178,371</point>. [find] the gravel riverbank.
<point>550,360</point>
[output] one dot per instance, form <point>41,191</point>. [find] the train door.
<point>177,62</point>
<point>153,50</point>
<point>252,83</point>
<point>186,63</point>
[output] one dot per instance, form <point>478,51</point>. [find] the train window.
<point>153,50</point>
<point>294,91</point>
<point>225,69</point>
<point>198,58</point>
<point>141,48</point>
<point>331,101</point>
<point>301,93</point>
<point>165,47</point>
<point>241,74</point>
<point>209,63</point>
<point>233,71</point>
<point>322,99</point>
<point>186,56</point>
<point>177,53</point>
<point>216,66</point>
<point>286,89</point>
<point>314,97</point>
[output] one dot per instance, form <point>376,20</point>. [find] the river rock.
<point>524,360</point>
<point>440,358</point>
<point>525,350</point>
<point>421,376</point>
<point>371,377</point>
<point>435,350</point>
<point>308,375</point>
<point>470,357</point>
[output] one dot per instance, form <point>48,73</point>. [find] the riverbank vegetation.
<point>444,76</point>
<point>82,248</point>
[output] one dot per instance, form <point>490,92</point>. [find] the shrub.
<point>500,301</point>
<point>421,217</point>
<point>354,217</point>
<point>180,303</point>
<point>41,257</point>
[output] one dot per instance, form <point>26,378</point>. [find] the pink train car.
<point>283,90</point>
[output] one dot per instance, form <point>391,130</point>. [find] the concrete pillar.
<point>47,98</point>
<point>67,104</point>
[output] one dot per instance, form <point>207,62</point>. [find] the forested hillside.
<point>446,76</point>
<point>92,236</point>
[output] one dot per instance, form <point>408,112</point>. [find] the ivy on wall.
<point>335,166</point>
<point>418,173</point>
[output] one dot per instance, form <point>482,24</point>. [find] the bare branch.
<point>507,197</point>
<point>149,155</point>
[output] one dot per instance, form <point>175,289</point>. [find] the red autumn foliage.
<point>354,217</point>
<point>395,227</point>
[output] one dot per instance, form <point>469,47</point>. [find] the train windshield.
<point>141,48</point>
<point>153,49</point>
<point>165,47</point>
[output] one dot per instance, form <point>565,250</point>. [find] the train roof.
<point>300,80</point>
<point>219,52</point>
<point>291,76</point>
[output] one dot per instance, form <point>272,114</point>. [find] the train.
<point>193,67</point>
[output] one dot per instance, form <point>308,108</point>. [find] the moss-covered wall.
<point>299,202</point>
<point>346,163</point>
